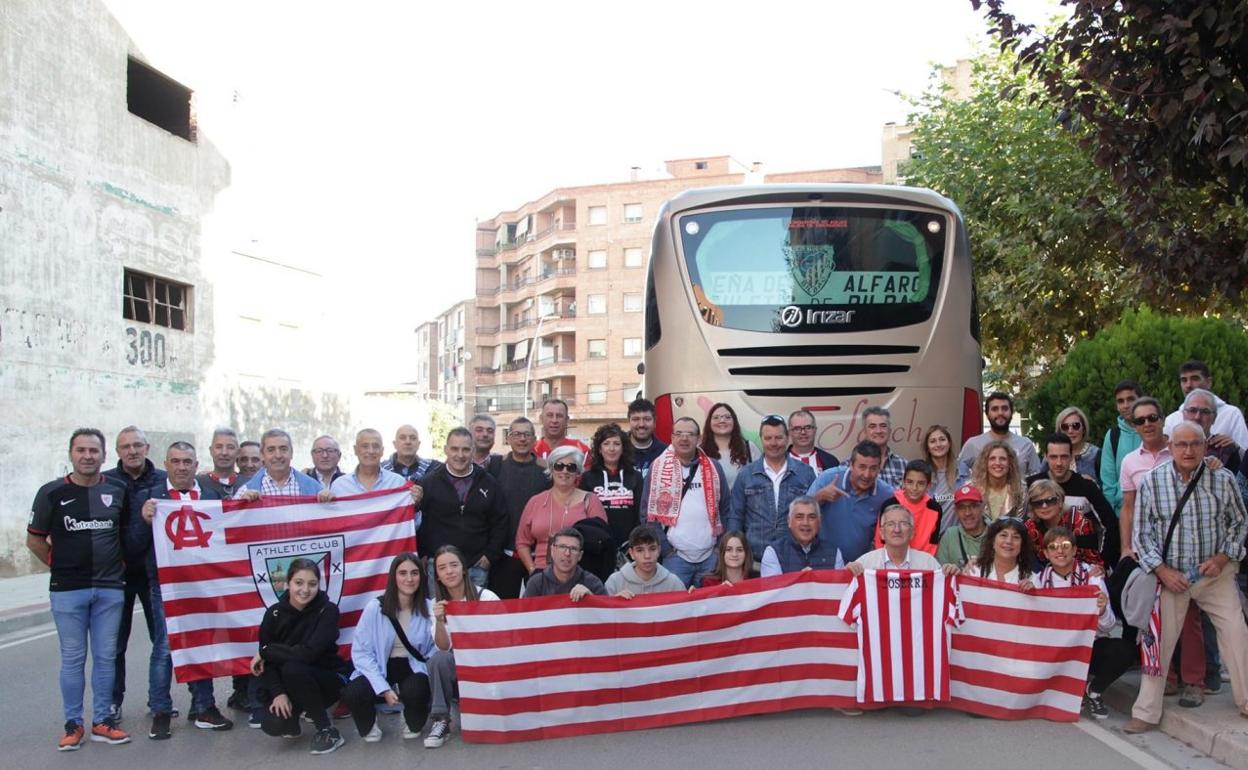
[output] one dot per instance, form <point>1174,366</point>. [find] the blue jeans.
<point>87,616</point>
<point>160,668</point>
<point>690,572</point>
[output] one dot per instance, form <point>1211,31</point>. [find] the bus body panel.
<point>925,373</point>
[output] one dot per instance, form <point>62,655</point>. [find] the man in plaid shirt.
<point>1200,565</point>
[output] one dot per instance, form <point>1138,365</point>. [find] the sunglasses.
<point>1072,426</point>
<point>566,467</point>
<point>1060,547</point>
<point>1148,418</point>
<point>1045,502</point>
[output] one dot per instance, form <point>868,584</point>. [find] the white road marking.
<point>44,635</point>
<point>1122,746</point>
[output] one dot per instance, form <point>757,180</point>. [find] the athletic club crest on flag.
<point>811,266</point>
<point>270,564</point>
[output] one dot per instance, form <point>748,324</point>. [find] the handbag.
<point>407,645</point>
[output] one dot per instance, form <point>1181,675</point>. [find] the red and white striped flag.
<point>546,668</point>
<point>221,563</point>
<point>902,618</point>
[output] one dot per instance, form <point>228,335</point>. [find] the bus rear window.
<point>814,269</point>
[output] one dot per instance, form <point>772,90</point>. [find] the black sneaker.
<point>211,719</point>
<point>237,701</point>
<point>160,728</point>
<point>1096,705</point>
<point>114,713</point>
<point>438,733</point>
<point>326,740</point>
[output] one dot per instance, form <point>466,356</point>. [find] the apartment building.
<point>560,285</point>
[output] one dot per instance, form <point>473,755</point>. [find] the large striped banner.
<point>547,668</point>
<point>222,563</point>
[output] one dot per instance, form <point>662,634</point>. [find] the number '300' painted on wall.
<point>143,348</point>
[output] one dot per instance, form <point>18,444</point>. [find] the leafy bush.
<point>1149,348</point>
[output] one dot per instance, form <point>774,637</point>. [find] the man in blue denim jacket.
<point>759,503</point>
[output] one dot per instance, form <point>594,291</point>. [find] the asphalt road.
<point>30,724</point>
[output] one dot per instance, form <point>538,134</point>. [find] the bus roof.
<point>774,193</point>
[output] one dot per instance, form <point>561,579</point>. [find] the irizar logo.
<point>792,316</point>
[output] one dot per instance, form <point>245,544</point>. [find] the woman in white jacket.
<point>391,648</point>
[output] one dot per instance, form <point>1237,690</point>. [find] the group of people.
<point>628,515</point>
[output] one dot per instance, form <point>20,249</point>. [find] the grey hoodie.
<point>626,579</point>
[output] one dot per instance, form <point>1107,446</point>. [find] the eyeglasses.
<point>684,434</point>
<point>1045,502</point>
<point>896,525</point>
<point>1149,418</point>
<point>1063,547</point>
<point>565,467</point>
<point>1203,411</point>
<point>1184,446</point>
<point>566,548</point>
<point>521,434</point>
<point>1072,426</point>
<point>326,451</point>
<point>801,428</point>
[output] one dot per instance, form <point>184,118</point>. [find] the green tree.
<point>1046,224</point>
<point>1147,347</point>
<point>1158,94</point>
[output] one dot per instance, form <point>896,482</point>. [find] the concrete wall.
<point>87,189</point>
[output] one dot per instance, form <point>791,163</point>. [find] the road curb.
<point>1214,729</point>
<point>19,621</point>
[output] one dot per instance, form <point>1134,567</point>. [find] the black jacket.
<point>518,482</point>
<point>477,527</point>
<point>308,636</point>
<point>1106,540</point>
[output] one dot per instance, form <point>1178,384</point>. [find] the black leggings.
<point>1111,658</point>
<point>311,690</point>
<point>412,688</point>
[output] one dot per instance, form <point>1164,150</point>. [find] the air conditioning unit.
<point>562,254</point>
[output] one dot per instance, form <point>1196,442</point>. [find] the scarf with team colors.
<point>667,478</point>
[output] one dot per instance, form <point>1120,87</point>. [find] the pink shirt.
<point>543,517</point>
<point>1137,463</point>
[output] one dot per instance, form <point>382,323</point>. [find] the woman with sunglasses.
<point>1110,657</point>
<point>1072,422</point>
<point>1046,509</point>
<point>557,508</point>
<point>722,440</point>
<point>1005,554</point>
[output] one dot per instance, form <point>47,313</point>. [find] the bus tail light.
<point>663,418</point>
<point>972,423</point>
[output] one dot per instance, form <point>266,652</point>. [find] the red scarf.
<point>667,479</point>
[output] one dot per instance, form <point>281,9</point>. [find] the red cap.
<point>967,492</point>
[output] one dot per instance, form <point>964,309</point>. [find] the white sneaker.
<point>374,735</point>
<point>409,734</point>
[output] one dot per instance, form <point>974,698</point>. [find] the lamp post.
<point>528,369</point>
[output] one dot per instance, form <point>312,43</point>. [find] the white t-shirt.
<point>691,535</point>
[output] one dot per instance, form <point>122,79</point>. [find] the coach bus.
<point>831,298</point>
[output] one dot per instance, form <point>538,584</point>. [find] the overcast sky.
<point>366,138</point>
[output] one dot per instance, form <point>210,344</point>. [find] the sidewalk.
<point>1215,728</point>
<point>24,602</point>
